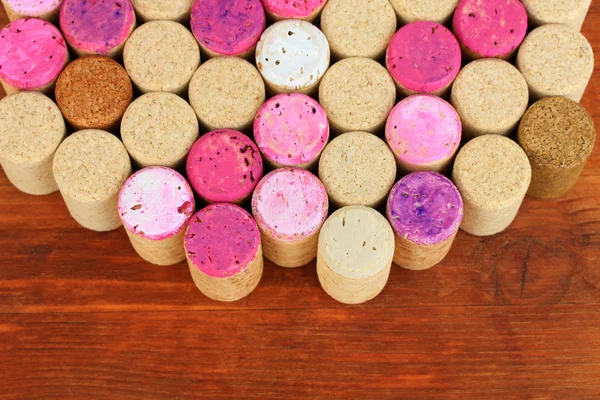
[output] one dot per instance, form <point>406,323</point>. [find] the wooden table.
<point>514,316</point>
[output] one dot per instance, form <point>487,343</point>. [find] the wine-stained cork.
<point>159,128</point>
<point>155,205</point>
<point>226,92</point>
<point>357,94</point>
<point>490,96</point>
<point>291,130</point>
<point>173,10</point>
<point>424,133</point>
<point>571,12</point>
<point>306,10</point>
<point>425,210</point>
<point>161,56</point>
<point>292,56</point>
<point>224,252</point>
<point>439,11</point>
<point>290,206</point>
<point>93,92</point>
<point>358,28</point>
<point>32,55</point>
<point>31,128</point>
<point>492,174</point>
<point>558,136</point>
<point>224,166</point>
<point>357,168</point>
<point>43,9</point>
<point>356,247</point>
<point>556,60</point>
<point>90,167</point>
<point>423,57</point>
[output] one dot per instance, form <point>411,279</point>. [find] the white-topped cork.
<point>439,11</point>
<point>43,9</point>
<point>174,10</point>
<point>567,12</point>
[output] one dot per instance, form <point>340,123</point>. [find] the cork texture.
<point>174,10</point>
<point>43,9</point>
<point>567,12</point>
<point>306,10</point>
<point>438,11</point>
<point>169,251</point>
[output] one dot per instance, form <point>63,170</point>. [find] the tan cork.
<point>174,10</point>
<point>567,12</point>
<point>51,16</point>
<point>289,254</point>
<point>419,257</point>
<point>169,251</point>
<point>439,11</point>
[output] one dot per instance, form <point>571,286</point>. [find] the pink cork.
<point>33,8</point>
<point>224,166</point>
<point>291,130</point>
<point>293,9</point>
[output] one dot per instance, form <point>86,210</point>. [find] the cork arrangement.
<point>350,136</point>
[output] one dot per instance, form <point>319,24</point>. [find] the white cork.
<point>174,10</point>
<point>439,11</point>
<point>567,12</point>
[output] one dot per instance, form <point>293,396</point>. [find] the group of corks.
<point>229,105</point>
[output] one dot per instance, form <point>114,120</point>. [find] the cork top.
<point>33,8</point>
<point>174,10</point>
<point>555,11</point>
<point>93,92</point>
<point>295,9</point>
<point>557,133</point>
<point>424,10</point>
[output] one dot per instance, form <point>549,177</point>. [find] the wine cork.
<point>357,168</point>
<point>556,61</point>
<point>224,166</point>
<point>173,10</point>
<point>159,128</point>
<point>423,57</point>
<point>155,205</point>
<point>292,56</point>
<point>490,29</point>
<point>93,92</point>
<point>490,96</point>
<point>32,55</point>
<point>306,10</point>
<point>424,133</point>
<point>358,28</point>
<point>571,13</point>
<point>356,247</point>
<point>290,206</point>
<point>291,130</point>
<point>226,92</point>
<point>161,56</point>
<point>224,252</point>
<point>492,174</point>
<point>558,136</point>
<point>90,167</point>
<point>439,11</point>
<point>43,9</point>
<point>97,26</point>
<point>357,94</point>
<point>31,128</point>
<point>425,210</point>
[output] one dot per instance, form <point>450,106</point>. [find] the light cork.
<point>43,9</point>
<point>173,10</point>
<point>571,12</point>
<point>439,11</point>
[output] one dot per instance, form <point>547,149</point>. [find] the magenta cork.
<point>307,10</point>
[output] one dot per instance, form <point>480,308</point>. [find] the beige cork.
<point>51,15</point>
<point>492,174</point>
<point>558,136</point>
<point>31,129</point>
<point>90,167</point>
<point>164,252</point>
<point>567,12</point>
<point>556,60</point>
<point>174,10</point>
<point>439,11</point>
<point>417,257</point>
<point>226,92</point>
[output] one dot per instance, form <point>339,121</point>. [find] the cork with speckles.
<point>567,12</point>
<point>305,10</point>
<point>439,11</point>
<point>43,9</point>
<point>173,10</point>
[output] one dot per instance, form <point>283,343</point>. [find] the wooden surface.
<point>514,316</point>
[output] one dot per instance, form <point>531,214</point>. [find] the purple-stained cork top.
<point>32,53</point>
<point>156,203</point>
<point>228,27</point>
<point>291,129</point>
<point>424,57</point>
<point>97,26</point>
<point>293,9</point>
<point>491,28</point>
<point>425,208</point>
<point>290,203</point>
<point>221,240</point>
<point>33,8</point>
<point>224,166</point>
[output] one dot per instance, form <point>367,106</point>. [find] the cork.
<point>90,167</point>
<point>161,56</point>
<point>425,210</point>
<point>155,205</point>
<point>93,92</point>
<point>490,96</point>
<point>356,247</point>
<point>492,174</point>
<point>424,133</point>
<point>290,206</point>
<point>558,136</point>
<point>173,10</point>
<point>439,11</point>
<point>47,10</point>
<point>556,60</point>
<point>32,55</point>
<point>423,57</point>
<point>226,92</point>
<point>224,166</point>
<point>31,128</point>
<point>306,10</point>
<point>291,130</point>
<point>357,94</point>
<point>159,129</point>
<point>358,28</point>
<point>571,13</point>
<point>224,252</point>
<point>97,27</point>
<point>357,168</point>
<point>292,56</point>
